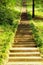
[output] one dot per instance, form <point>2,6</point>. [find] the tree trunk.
<point>33,10</point>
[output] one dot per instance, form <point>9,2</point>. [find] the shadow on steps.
<point>24,16</point>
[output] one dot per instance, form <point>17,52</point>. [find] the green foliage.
<point>5,16</point>
<point>37,27</point>
<point>7,2</point>
<point>37,23</point>
<point>9,17</point>
<point>6,36</point>
<point>38,7</point>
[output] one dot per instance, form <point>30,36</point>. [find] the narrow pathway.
<point>24,50</point>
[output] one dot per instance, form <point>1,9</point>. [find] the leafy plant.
<point>9,18</point>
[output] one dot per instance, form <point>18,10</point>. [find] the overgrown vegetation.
<point>37,22</point>
<point>38,7</point>
<point>37,28</point>
<point>10,11</point>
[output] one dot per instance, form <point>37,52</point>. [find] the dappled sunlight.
<point>39,14</point>
<point>37,22</point>
<point>17,8</point>
<point>21,35</point>
<point>38,18</point>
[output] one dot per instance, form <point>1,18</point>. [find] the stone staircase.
<point>24,50</point>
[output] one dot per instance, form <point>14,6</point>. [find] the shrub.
<point>6,15</point>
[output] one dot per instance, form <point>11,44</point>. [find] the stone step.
<point>24,36</point>
<point>24,39</point>
<point>20,39</point>
<point>24,33</point>
<point>24,22</point>
<point>24,59</point>
<point>23,55</point>
<point>24,49</point>
<point>22,45</point>
<point>25,63</point>
<point>24,26</point>
<point>30,48</point>
<point>25,30</point>
<point>18,42</point>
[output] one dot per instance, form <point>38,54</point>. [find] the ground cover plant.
<point>10,11</point>
<point>37,21</point>
<point>37,28</point>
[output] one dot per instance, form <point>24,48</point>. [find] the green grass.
<point>37,27</point>
<point>9,19</point>
<point>7,34</point>
<point>37,22</point>
<point>38,7</point>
